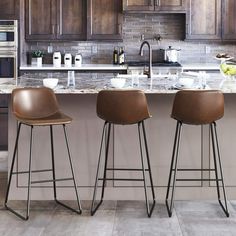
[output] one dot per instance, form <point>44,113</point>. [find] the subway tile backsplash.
<point>171,27</point>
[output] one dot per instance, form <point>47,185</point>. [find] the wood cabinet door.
<point>170,5</point>
<point>229,20</point>
<point>40,20</point>
<point>138,5</point>
<point>104,19</point>
<point>9,9</point>
<point>71,19</point>
<point>204,20</point>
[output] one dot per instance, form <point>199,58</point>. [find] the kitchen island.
<point>85,134</point>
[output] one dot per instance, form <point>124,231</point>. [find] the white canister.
<point>57,59</point>
<point>78,60</point>
<point>68,60</point>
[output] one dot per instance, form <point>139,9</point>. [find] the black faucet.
<point>150,56</point>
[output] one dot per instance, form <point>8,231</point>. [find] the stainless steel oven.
<point>8,33</point>
<point>8,65</point>
<point>8,71</point>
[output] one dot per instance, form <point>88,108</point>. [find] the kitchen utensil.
<point>171,54</point>
<point>57,59</point>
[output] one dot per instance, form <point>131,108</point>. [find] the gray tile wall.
<point>170,26</point>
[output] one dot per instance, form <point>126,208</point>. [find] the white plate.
<point>181,86</point>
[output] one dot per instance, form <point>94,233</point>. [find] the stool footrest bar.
<point>126,169</point>
<point>33,171</point>
<point>118,179</point>
<point>198,179</point>
<point>47,181</point>
<point>194,169</point>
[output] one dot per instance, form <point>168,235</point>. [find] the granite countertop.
<point>92,83</point>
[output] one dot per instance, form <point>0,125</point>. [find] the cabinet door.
<point>40,20</point>
<point>170,5</point>
<point>228,20</point>
<point>104,20</point>
<point>71,19</point>
<point>138,5</point>
<point>204,19</point>
<point>9,9</point>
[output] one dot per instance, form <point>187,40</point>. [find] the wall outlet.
<point>50,49</point>
<point>94,49</point>
<point>208,49</point>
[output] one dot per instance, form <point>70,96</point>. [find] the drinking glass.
<point>135,79</point>
<point>71,79</point>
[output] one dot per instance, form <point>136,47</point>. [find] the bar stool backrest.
<point>122,106</point>
<point>34,103</point>
<point>198,107</point>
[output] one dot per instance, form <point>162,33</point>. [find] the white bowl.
<point>186,82</point>
<point>50,83</point>
<point>118,82</point>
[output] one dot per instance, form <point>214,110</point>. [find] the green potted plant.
<point>37,58</point>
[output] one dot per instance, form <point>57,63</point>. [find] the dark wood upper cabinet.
<point>55,19</point>
<point>157,5</point>
<point>9,9</point>
<point>170,5</point>
<point>104,20</point>
<point>138,5</point>
<point>40,21</point>
<point>229,20</point>
<point>71,19</point>
<point>203,20</point>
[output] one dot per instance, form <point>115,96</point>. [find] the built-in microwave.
<point>8,50</point>
<point>8,33</point>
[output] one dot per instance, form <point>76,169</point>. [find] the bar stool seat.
<point>39,107</point>
<point>56,119</point>
<point>197,107</point>
<point>123,107</point>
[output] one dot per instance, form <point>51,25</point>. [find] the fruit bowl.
<point>50,83</point>
<point>228,70</point>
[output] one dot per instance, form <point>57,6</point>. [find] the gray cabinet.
<point>211,20</point>
<point>155,5</point>
<point>170,5</point>
<point>203,20</point>
<point>228,20</point>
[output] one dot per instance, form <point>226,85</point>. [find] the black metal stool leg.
<point>174,162</point>
<point>93,207</point>
<point>215,147</point>
<point>53,164</point>
<point>149,210</point>
<point>26,217</point>
<point>79,211</point>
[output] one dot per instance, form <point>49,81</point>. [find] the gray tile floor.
<point>121,218</point>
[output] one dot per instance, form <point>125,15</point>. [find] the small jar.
<point>78,60</point>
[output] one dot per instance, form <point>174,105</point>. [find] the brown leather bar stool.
<point>39,107</point>
<point>122,107</point>
<point>197,107</point>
